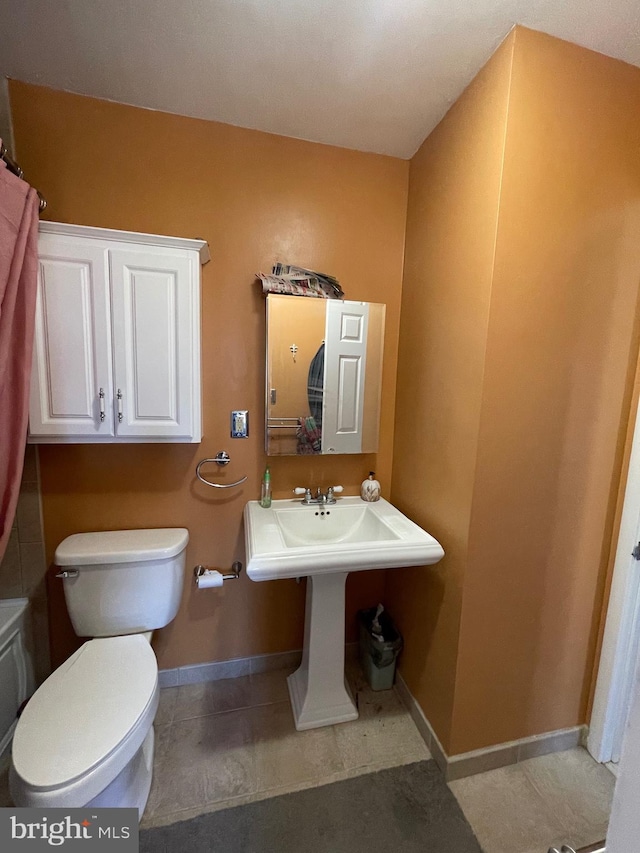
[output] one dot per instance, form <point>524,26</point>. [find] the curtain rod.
<point>13,167</point>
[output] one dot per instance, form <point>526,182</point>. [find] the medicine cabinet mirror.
<point>324,375</point>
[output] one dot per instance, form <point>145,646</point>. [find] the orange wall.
<point>256,198</point>
<point>550,361</point>
<point>558,373</point>
<point>451,225</point>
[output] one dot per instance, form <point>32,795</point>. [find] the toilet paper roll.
<point>209,579</point>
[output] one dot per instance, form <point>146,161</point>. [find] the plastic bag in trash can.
<point>379,636</point>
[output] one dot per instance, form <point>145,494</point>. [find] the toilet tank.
<point>122,581</point>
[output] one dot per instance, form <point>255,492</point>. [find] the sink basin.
<point>332,525</point>
<point>293,540</point>
<point>324,543</point>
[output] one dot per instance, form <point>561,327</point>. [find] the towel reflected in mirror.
<point>309,437</point>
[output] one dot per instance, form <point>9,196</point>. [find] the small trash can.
<point>380,644</point>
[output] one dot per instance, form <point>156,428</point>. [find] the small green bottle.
<point>265,491</point>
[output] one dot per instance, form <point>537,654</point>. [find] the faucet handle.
<point>337,489</point>
<point>331,491</point>
<point>307,499</point>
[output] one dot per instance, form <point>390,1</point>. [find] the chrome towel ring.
<point>221,458</point>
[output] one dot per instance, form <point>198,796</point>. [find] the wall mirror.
<point>324,375</point>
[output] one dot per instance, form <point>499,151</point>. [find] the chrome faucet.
<point>319,497</point>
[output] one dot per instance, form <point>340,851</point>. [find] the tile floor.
<point>233,741</point>
<point>562,798</point>
<point>228,742</point>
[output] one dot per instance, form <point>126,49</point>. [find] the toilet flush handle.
<point>68,573</point>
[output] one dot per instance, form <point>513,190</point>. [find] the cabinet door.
<point>71,377</point>
<point>344,365</point>
<point>156,343</point>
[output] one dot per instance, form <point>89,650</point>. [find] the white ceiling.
<point>376,75</point>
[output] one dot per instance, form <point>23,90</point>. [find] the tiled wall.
<point>6,131</point>
<point>23,567</point>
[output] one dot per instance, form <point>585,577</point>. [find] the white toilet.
<point>86,735</point>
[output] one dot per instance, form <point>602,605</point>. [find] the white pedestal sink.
<point>319,693</point>
<point>324,543</point>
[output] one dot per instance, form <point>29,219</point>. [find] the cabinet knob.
<point>119,398</point>
<point>101,404</point>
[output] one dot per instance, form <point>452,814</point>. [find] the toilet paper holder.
<point>234,574</point>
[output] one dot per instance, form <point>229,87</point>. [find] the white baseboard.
<point>491,757</point>
<point>235,668</point>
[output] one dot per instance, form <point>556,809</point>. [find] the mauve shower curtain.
<point>18,276</point>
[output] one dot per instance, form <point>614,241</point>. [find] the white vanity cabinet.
<point>117,338</point>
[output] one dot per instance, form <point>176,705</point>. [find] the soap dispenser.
<point>265,491</point>
<point>370,488</point>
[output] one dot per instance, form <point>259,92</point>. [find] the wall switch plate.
<point>240,424</point>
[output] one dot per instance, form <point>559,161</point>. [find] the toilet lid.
<point>84,710</point>
<point>121,546</point>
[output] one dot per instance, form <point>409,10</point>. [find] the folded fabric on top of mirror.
<point>297,281</point>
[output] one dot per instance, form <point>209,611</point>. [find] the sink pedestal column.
<point>318,691</point>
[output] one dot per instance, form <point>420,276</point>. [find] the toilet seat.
<point>85,722</point>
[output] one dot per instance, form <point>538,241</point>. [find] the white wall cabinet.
<point>117,337</point>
